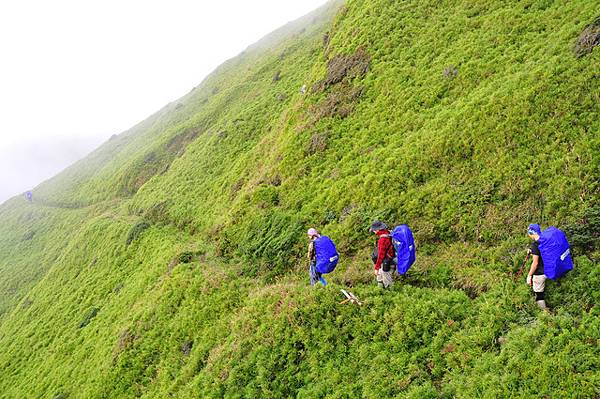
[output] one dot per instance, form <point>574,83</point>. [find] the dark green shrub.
<point>88,317</point>
<point>118,287</point>
<point>28,236</point>
<point>270,238</point>
<point>584,235</point>
<point>329,216</point>
<point>136,231</point>
<point>186,257</point>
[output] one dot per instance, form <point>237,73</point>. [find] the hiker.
<point>322,256</point>
<point>314,276</point>
<point>383,254</point>
<point>536,277</point>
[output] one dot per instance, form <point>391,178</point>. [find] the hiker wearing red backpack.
<point>383,254</point>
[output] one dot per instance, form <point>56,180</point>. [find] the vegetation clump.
<point>588,39</point>
<point>156,161</point>
<point>584,235</point>
<point>126,339</point>
<point>93,312</point>
<point>345,67</point>
<point>326,39</point>
<point>136,231</point>
<point>450,72</point>
<point>186,347</point>
<point>157,213</point>
<point>177,144</point>
<point>317,143</point>
<point>28,236</point>
<point>186,257</point>
<point>340,102</point>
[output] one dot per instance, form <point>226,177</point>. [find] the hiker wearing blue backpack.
<point>536,278</point>
<point>322,256</point>
<point>392,249</point>
<point>551,259</point>
<point>383,254</point>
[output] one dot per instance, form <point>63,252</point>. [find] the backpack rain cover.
<point>327,255</point>
<point>404,244</point>
<point>556,253</point>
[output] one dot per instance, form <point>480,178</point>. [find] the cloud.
<point>97,68</point>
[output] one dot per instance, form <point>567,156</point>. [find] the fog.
<point>28,162</point>
<point>74,73</point>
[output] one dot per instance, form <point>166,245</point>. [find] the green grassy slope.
<point>169,262</point>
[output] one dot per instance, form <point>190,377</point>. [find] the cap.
<point>534,228</point>
<point>377,225</point>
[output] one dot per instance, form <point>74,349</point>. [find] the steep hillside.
<point>169,263</point>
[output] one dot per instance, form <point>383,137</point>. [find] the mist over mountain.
<point>27,163</point>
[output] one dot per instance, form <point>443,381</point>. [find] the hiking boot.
<point>541,304</point>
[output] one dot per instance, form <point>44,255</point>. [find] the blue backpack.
<point>556,253</point>
<point>327,256</point>
<point>404,244</point>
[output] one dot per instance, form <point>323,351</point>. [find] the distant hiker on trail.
<point>322,256</point>
<point>383,254</point>
<point>536,277</point>
<point>29,196</point>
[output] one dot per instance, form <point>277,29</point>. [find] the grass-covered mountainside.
<point>169,263</point>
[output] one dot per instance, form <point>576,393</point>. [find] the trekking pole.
<point>520,271</point>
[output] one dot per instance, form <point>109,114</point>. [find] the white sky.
<point>72,73</point>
